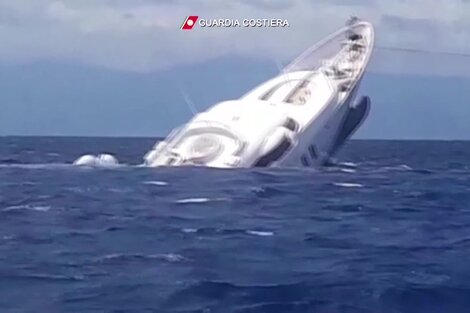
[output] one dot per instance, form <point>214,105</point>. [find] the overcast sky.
<point>112,67</point>
<point>143,35</point>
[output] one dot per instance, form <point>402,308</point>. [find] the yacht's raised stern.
<point>355,116</point>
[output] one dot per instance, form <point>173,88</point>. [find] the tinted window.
<point>291,125</point>
<point>304,161</point>
<point>274,154</point>
<point>313,152</point>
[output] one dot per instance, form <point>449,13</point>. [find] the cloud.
<point>144,35</point>
<point>275,5</point>
<point>367,3</point>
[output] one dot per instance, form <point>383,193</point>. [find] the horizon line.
<point>163,137</point>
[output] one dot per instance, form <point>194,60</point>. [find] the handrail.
<point>302,57</point>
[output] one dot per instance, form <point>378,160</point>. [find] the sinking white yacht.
<point>299,118</point>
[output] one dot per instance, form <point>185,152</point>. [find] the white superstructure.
<point>300,117</point>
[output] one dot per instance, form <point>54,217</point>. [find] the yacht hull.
<point>323,139</point>
<point>355,116</point>
<point>300,117</point>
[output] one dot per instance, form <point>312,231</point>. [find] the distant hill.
<point>51,98</point>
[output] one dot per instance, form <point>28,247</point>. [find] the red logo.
<point>189,22</point>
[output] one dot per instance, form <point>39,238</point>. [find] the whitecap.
<point>120,190</point>
<point>111,256</point>
<point>260,233</point>
<point>169,257</point>
<point>348,164</point>
<point>402,167</point>
<point>189,230</point>
<point>347,170</point>
<point>27,207</point>
<point>199,200</point>
<point>423,278</point>
<point>193,200</point>
<point>348,185</point>
<point>35,166</point>
<point>58,166</point>
<point>155,182</point>
<point>46,276</point>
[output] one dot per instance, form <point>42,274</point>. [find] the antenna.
<point>188,101</point>
<point>352,20</point>
<point>285,75</point>
<point>278,65</point>
<point>413,50</point>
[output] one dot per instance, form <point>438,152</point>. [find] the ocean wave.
<point>401,167</point>
<point>155,182</point>
<point>169,257</point>
<point>193,200</point>
<point>347,170</point>
<point>61,166</point>
<point>36,166</point>
<point>39,208</point>
<point>8,161</point>
<point>287,240</point>
<point>348,185</point>
<point>260,233</point>
<point>225,290</point>
<point>43,277</point>
<point>212,231</point>
<point>268,191</point>
<point>348,164</point>
<point>199,200</point>
<point>423,278</point>
<point>120,190</point>
<point>189,230</point>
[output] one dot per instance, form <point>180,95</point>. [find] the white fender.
<point>100,160</point>
<point>86,160</point>
<point>107,160</point>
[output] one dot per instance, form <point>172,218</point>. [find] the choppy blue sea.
<point>386,230</point>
